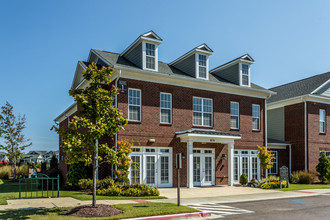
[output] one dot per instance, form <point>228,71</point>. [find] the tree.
<point>97,118</point>
<point>323,168</point>
<point>265,158</point>
<point>11,131</point>
<point>53,163</point>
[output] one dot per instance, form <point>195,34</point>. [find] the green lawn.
<point>10,190</point>
<point>293,187</point>
<point>130,211</point>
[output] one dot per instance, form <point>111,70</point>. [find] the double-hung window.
<point>134,104</point>
<point>322,121</point>
<point>202,111</point>
<point>202,66</point>
<point>234,115</point>
<point>150,56</point>
<point>256,117</point>
<point>245,74</point>
<point>165,108</point>
<point>274,170</point>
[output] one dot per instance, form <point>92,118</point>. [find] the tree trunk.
<point>94,180</point>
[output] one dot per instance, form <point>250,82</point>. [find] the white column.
<point>190,165</point>
<point>231,164</point>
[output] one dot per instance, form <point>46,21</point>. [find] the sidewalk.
<point>200,195</point>
<point>231,194</point>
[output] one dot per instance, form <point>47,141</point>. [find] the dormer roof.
<point>203,48</point>
<point>148,36</point>
<point>246,58</point>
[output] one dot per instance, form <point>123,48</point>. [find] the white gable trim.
<point>239,60</point>
<point>195,50</point>
<point>321,86</point>
<point>67,113</point>
<point>298,99</point>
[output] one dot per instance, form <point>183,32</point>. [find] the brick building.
<point>214,118</point>
<point>297,122</point>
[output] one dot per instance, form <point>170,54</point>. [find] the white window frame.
<point>202,112</point>
<point>275,162</point>
<point>197,66</point>
<point>256,129</point>
<point>135,105</point>
<point>144,56</point>
<point>241,74</point>
<point>234,115</point>
<point>160,106</point>
<point>322,120</point>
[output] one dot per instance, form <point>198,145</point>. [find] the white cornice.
<point>320,87</point>
<point>190,82</point>
<point>195,50</point>
<point>230,64</point>
<point>67,113</point>
<point>299,99</point>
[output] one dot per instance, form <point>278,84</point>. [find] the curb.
<point>174,216</point>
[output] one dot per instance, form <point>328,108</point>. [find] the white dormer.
<point>143,52</point>
<point>195,62</point>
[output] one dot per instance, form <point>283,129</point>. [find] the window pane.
<point>245,80</point>
<point>207,119</point>
<point>135,169</point>
<point>202,72</point>
<point>150,62</point>
<point>197,104</point>
<point>202,60</point>
<point>165,116</point>
<point>245,69</point>
<point>150,49</point>
<point>197,118</point>
<point>322,121</point>
<point>134,113</point>
<point>234,115</point>
<point>202,111</point>
<point>256,117</point>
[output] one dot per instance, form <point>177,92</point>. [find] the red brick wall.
<point>317,141</point>
<point>294,133</point>
<point>150,126</point>
<point>63,166</point>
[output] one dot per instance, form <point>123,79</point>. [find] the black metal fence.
<point>39,186</point>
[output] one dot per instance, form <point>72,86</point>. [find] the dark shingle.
<point>118,61</point>
<point>299,88</point>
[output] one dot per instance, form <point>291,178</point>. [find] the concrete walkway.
<point>198,195</point>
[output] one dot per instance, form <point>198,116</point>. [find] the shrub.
<point>128,190</point>
<point>243,179</point>
<point>273,178</point>
<point>5,172</point>
<point>22,170</point>
<point>302,177</point>
<point>284,184</point>
<point>1,182</point>
<point>53,162</point>
<point>76,172</point>
<point>85,184</point>
<point>105,183</point>
<point>265,186</point>
<point>323,168</point>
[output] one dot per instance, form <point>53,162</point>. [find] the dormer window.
<point>150,61</point>
<point>202,66</point>
<point>245,74</point>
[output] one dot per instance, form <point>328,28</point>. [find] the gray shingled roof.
<point>207,132</point>
<point>299,88</point>
<point>118,61</point>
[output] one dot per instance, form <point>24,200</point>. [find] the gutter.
<point>116,104</point>
<point>305,125</point>
<point>266,130</point>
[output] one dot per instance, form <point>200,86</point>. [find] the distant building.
<point>39,156</point>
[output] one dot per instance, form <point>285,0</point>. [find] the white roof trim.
<point>241,59</point>
<point>143,37</point>
<point>195,50</point>
<point>298,99</point>
<point>223,139</point>
<point>190,82</point>
<point>67,112</point>
<point>76,73</point>
<point>320,87</point>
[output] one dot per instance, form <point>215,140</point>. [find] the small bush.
<point>273,178</point>
<point>85,184</point>
<point>5,172</point>
<point>265,186</point>
<point>105,183</point>
<point>243,179</point>
<point>75,173</point>
<point>22,170</point>
<point>135,190</point>
<point>1,182</point>
<point>323,168</point>
<point>302,177</point>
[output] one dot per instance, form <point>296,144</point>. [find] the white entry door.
<point>203,167</point>
<point>151,166</point>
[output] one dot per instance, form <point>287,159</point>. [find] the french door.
<point>203,167</point>
<point>152,166</point>
<point>246,161</point>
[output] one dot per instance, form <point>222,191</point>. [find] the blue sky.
<point>41,42</point>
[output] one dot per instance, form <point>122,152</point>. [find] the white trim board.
<point>299,99</point>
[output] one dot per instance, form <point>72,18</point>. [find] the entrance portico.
<point>193,135</point>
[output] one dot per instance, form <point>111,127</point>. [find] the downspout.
<point>116,135</point>
<point>305,111</point>
<point>290,156</point>
<point>266,130</point>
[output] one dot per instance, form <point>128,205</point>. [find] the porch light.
<point>224,157</point>
<point>183,156</point>
<point>152,140</point>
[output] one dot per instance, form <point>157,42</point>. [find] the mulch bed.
<point>90,211</point>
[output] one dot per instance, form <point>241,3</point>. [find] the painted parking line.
<point>219,209</point>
